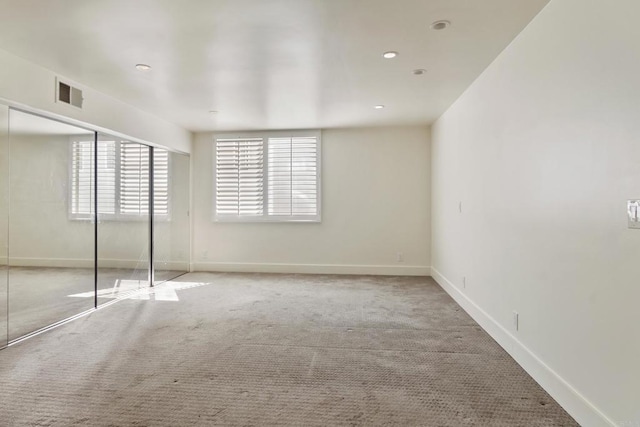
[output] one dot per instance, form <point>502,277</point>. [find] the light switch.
<point>633,210</point>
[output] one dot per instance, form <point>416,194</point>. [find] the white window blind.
<point>107,177</point>
<point>134,179</point>
<point>123,180</point>
<point>239,177</point>
<point>267,178</point>
<point>160,182</point>
<point>82,178</point>
<point>293,173</point>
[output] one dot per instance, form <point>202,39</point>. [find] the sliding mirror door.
<point>54,255</point>
<point>171,214</point>
<point>4,219</point>
<point>123,217</point>
<point>51,246</point>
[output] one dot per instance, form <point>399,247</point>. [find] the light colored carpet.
<point>262,350</point>
<point>40,296</point>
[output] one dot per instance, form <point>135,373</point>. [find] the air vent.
<point>68,94</point>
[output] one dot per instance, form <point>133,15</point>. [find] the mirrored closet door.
<point>171,215</point>
<point>4,220</point>
<point>85,218</point>
<point>123,217</point>
<point>51,234</point>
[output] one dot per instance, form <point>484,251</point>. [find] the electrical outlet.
<point>399,257</point>
<point>633,210</point>
<point>464,282</point>
<point>516,320</point>
<point>205,254</point>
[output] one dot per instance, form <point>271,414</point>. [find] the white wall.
<point>376,202</point>
<point>543,151</point>
<point>29,84</point>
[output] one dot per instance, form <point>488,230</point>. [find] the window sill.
<point>278,220</point>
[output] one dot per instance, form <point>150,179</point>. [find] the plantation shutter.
<point>123,179</point>
<point>82,178</point>
<point>239,177</point>
<point>106,177</point>
<point>293,176</point>
<point>160,182</point>
<point>134,179</point>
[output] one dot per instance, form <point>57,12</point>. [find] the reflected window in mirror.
<point>123,180</point>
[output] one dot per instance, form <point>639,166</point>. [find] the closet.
<point>85,218</point>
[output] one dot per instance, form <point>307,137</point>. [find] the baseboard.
<point>88,263</point>
<point>381,270</point>
<point>171,266</point>
<point>51,262</point>
<point>579,407</point>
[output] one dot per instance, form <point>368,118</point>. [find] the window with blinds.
<point>82,178</point>
<point>267,178</point>
<point>239,177</point>
<point>123,180</point>
<point>161,182</point>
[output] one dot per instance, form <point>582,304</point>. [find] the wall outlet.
<point>399,257</point>
<point>633,211</point>
<point>516,320</point>
<point>205,254</point>
<point>464,282</point>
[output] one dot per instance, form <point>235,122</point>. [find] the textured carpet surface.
<point>40,296</point>
<point>261,350</point>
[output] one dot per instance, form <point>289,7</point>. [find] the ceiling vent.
<point>68,94</point>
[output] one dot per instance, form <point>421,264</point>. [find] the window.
<point>123,180</point>
<point>267,177</point>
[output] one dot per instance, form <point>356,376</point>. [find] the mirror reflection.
<point>123,217</point>
<point>76,228</point>
<point>51,252</point>
<point>4,219</point>
<point>171,214</point>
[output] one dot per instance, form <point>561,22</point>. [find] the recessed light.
<point>213,111</point>
<point>143,67</point>
<point>419,71</point>
<point>379,107</point>
<point>440,25</point>
<point>389,55</point>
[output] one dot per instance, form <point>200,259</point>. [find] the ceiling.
<point>268,64</point>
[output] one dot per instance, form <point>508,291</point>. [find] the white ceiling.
<point>268,64</point>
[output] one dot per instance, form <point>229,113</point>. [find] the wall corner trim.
<point>578,406</point>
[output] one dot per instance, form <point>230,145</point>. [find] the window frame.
<point>265,217</point>
<point>117,216</point>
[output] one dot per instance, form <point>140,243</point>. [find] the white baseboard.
<point>381,270</point>
<point>580,408</point>
<point>88,263</point>
<point>172,265</point>
<point>51,262</point>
